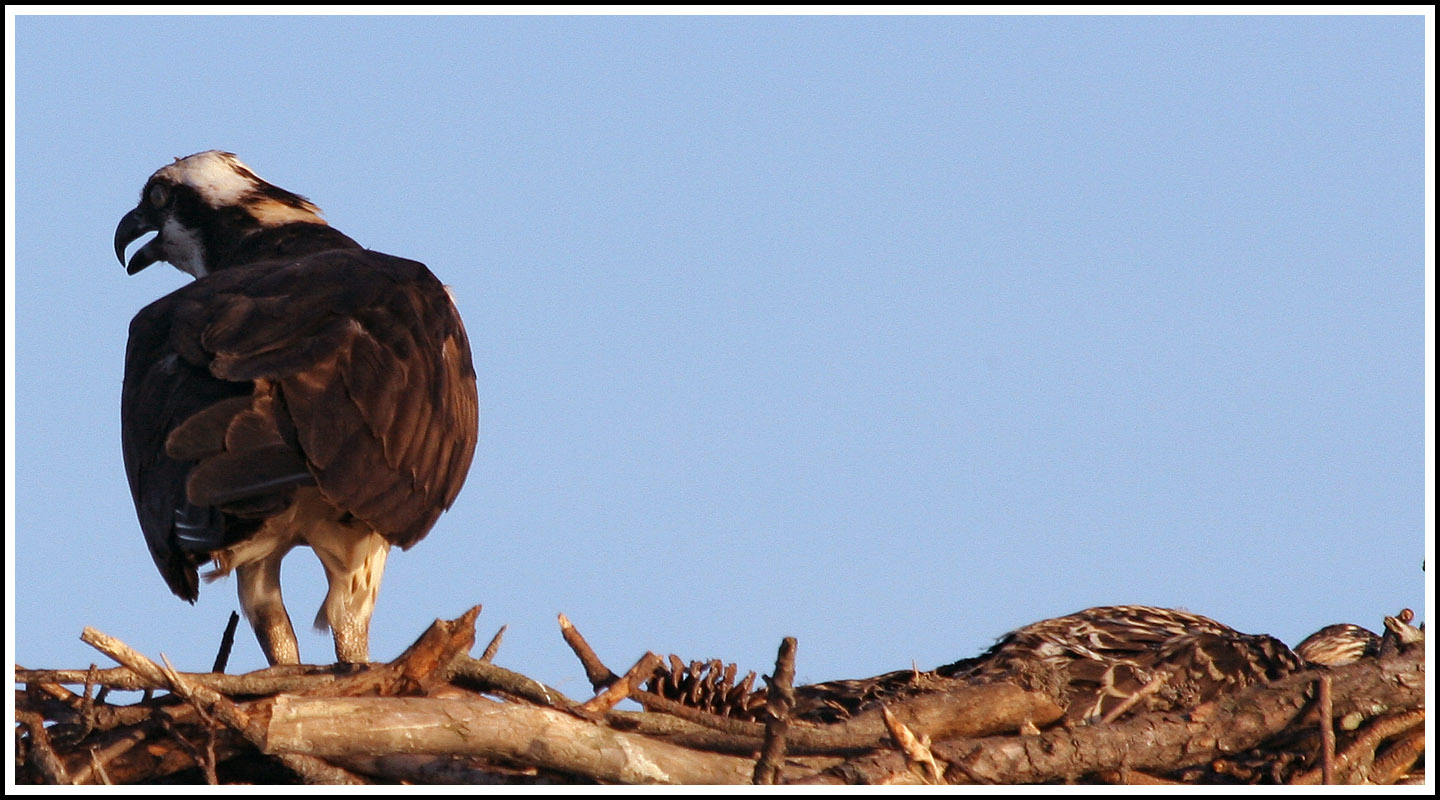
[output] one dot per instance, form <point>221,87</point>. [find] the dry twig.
<point>611,695</point>
<point>42,754</point>
<point>916,749</point>
<point>1398,759</point>
<point>781,698</point>
<point>1327,730</point>
<point>227,642</point>
<point>596,672</point>
<point>494,646</point>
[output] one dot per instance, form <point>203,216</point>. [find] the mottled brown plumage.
<point>1090,662</point>
<point>1335,645</point>
<point>303,390</point>
<point>1095,659</point>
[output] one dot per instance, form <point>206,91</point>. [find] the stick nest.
<point>436,715</point>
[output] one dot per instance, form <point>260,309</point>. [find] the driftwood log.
<point>437,716</point>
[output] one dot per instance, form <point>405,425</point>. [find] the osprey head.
<point>202,206</point>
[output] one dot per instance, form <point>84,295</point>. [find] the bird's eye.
<point>159,195</point>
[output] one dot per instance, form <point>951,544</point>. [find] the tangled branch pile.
<point>437,715</point>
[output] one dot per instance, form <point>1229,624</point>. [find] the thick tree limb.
<point>545,738</point>
<point>980,710</point>
<point>448,771</point>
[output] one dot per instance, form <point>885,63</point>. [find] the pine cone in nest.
<point>709,686</point>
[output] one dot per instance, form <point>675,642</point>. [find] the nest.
<point>1200,704</point>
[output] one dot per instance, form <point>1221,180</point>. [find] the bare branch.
<point>227,641</point>
<point>1398,759</point>
<point>781,698</point>
<point>598,674</point>
<point>607,699</point>
<point>1327,730</point>
<point>488,677</point>
<point>494,646</point>
<point>42,754</point>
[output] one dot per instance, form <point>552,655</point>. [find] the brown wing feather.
<point>161,391</point>
<point>375,375</point>
<point>347,369</point>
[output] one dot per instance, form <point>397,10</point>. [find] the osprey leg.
<point>353,566</point>
<point>258,584</point>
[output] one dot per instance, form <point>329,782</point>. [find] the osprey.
<point>1337,645</point>
<point>301,391</point>
<point>1091,663</point>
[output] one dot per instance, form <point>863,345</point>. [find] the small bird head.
<point>201,206</point>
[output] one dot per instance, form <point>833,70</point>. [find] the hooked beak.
<point>132,226</point>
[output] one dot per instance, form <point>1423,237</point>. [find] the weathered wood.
<point>425,664</point>
<point>780,698</point>
<point>916,750</point>
<point>210,701</point>
<point>545,738</point>
<point>974,711</point>
<point>1399,759</point>
<point>598,674</point>
<point>285,678</point>
<point>610,696</point>
<point>447,770</point>
<point>982,710</point>
<point>494,646</point>
<point>42,754</point>
<point>487,677</point>
<point>227,641</point>
<point>1326,709</point>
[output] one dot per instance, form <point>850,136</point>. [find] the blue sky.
<point>888,333</point>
